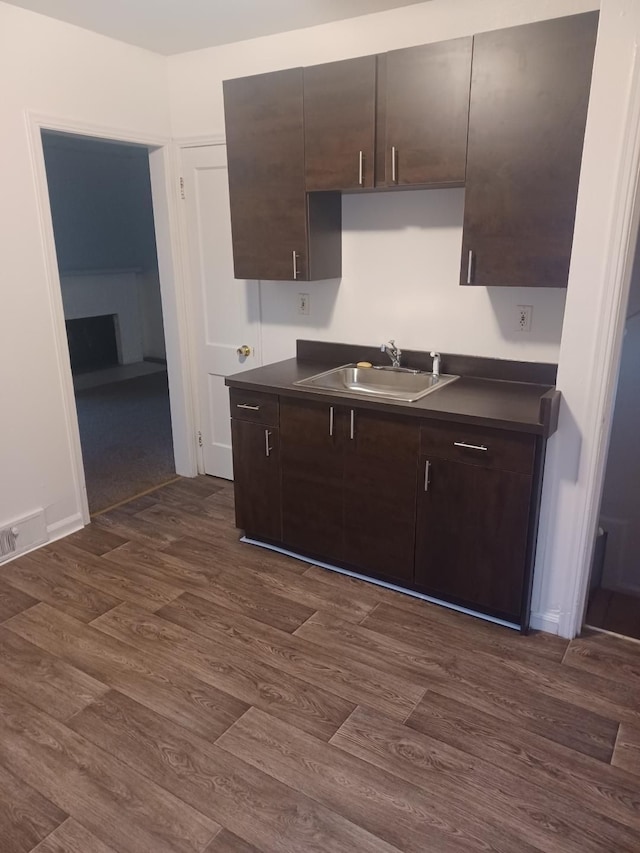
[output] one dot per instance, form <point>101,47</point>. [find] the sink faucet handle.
<point>392,351</point>
<point>435,369</point>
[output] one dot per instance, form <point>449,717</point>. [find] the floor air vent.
<point>8,540</point>
<point>22,535</point>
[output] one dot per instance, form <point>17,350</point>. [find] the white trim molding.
<point>609,338</point>
<point>548,621</point>
<point>35,124</point>
<point>200,141</point>
<point>604,240</point>
<point>63,528</point>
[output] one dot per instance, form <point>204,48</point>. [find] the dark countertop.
<point>521,406</point>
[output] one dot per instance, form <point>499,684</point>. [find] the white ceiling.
<point>175,26</point>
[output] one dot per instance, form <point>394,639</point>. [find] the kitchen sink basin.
<point>388,383</point>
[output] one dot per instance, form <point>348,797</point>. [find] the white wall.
<point>150,302</point>
<point>55,69</point>
<point>400,268</point>
<point>100,195</point>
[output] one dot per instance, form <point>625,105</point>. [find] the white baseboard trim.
<point>548,620</point>
<point>63,528</point>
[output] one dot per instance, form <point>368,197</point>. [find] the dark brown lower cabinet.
<point>348,486</point>
<point>379,494</point>
<point>447,509</point>
<point>256,474</point>
<point>312,470</point>
<point>471,538</point>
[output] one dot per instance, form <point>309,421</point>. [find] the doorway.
<point>614,592</point>
<point>103,223</point>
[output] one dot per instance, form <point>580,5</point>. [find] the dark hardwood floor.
<point>167,689</point>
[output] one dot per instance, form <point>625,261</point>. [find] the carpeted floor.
<point>125,431</point>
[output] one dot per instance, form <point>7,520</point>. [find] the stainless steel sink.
<point>389,383</point>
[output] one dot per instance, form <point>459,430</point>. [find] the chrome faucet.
<point>393,352</point>
<point>435,369</point>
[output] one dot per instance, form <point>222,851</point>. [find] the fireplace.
<point>92,343</point>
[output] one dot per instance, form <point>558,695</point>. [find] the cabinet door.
<point>256,474</point>
<point>529,95</point>
<point>381,458</point>
<point>339,124</point>
<point>471,538</point>
<point>423,113</point>
<point>272,221</point>
<point>312,472</point>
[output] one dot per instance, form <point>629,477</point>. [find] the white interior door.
<point>227,310</point>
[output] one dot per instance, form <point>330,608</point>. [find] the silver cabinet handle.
<point>427,472</point>
<point>295,264</point>
<point>352,428</point>
<point>470,267</point>
<point>331,420</point>
<point>361,168</point>
<point>394,164</point>
<point>470,446</point>
<point>245,406</point>
<point>267,448</point>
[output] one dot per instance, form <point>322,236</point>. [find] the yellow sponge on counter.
<point>364,364</point>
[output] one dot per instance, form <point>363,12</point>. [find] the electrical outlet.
<point>303,303</point>
<point>523,318</point>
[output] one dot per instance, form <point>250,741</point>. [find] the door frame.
<point>174,305</point>
<point>617,270</point>
<point>180,144</point>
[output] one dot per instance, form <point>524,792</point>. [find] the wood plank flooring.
<point>167,689</point>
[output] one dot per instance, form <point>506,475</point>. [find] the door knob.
<point>244,351</point>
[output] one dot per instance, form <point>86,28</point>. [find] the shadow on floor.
<point>614,611</point>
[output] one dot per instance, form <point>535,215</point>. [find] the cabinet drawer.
<point>483,446</point>
<point>254,406</point>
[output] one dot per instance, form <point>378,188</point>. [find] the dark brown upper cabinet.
<point>423,113</point>
<point>529,96</point>
<point>339,124</point>
<point>278,231</point>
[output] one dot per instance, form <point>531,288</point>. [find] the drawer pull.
<point>295,264</point>
<point>352,428</point>
<point>394,164</point>
<point>470,446</point>
<point>331,420</point>
<point>361,168</point>
<point>470,267</point>
<point>427,472</point>
<point>246,406</point>
<point>267,447</point>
